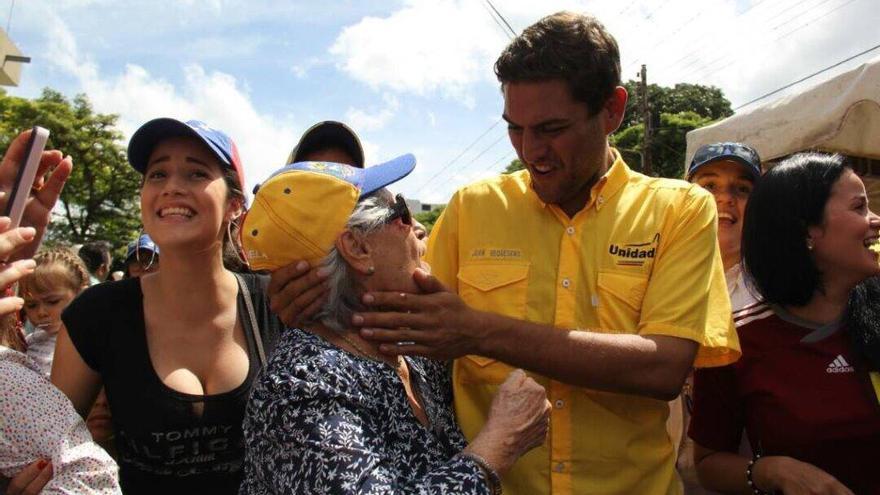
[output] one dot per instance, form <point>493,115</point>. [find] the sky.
<point>410,76</point>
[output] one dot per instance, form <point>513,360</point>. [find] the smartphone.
<point>27,171</point>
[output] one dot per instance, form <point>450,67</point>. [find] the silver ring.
<point>406,343</point>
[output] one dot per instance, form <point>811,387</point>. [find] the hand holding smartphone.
<point>24,180</point>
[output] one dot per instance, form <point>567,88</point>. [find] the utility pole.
<point>646,119</point>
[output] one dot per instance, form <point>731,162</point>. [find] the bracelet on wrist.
<point>749,473</point>
<point>491,475</point>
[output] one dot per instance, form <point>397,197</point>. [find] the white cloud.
<point>427,46</point>
<point>214,97</point>
<point>366,121</point>
<point>447,46</point>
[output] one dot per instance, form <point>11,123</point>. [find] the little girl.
<point>58,278</point>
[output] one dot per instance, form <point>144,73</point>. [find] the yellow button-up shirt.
<point>640,258</point>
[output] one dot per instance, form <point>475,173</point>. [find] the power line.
<point>465,150</point>
<point>697,64</point>
<point>497,22</point>
<point>508,30</point>
<point>481,153</point>
<point>473,160</point>
<point>723,61</point>
<point>806,10</point>
<point>9,19</point>
<point>701,33</point>
<point>506,156</point>
<point>808,77</point>
<point>695,52</point>
<point>818,17</point>
<point>512,32</point>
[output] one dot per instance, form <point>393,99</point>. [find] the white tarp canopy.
<point>839,115</point>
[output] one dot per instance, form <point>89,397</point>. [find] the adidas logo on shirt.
<point>839,365</point>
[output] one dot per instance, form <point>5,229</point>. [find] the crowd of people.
<point>574,327</point>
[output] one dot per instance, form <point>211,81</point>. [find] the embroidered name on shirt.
<point>634,254</point>
<point>496,253</point>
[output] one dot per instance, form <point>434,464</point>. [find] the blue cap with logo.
<point>301,209</point>
<point>148,136</point>
<point>736,152</point>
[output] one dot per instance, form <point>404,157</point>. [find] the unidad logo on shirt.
<point>634,254</point>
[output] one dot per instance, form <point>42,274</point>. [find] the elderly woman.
<point>330,413</point>
<point>802,390</point>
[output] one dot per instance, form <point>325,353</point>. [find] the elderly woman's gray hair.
<point>368,217</point>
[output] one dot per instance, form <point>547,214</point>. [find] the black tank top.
<point>163,446</point>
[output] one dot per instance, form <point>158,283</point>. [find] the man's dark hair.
<point>788,199</point>
<point>94,254</point>
<point>573,47</point>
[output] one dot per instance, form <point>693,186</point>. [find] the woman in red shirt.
<point>802,390</point>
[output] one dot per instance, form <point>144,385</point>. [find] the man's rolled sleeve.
<point>687,296</point>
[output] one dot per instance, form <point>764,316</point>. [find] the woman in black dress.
<point>177,350</point>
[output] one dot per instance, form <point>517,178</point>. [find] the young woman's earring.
<point>371,270</point>
<point>809,245</point>
<point>236,246</point>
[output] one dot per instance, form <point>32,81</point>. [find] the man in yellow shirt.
<point>605,284</point>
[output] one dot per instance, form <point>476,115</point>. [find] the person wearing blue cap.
<point>729,171</point>
<point>176,350</point>
<point>142,257</point>
<point>332,141</point>
<point>330,413</point>
<point>805,393</point>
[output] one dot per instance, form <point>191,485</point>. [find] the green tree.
<point>668,145</point>
<point>705,101</point>
<point>100,200</point>
<point>429,218</point>
<point>674,112</point>
<point>514,166</point>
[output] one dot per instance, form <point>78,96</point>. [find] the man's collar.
<point>606,187</point>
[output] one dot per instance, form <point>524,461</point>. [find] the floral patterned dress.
<point>37,421</point>
<point>323,421</point>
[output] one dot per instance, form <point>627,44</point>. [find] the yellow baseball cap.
<point>298,212</point>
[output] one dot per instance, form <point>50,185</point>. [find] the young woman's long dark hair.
<point>787,200</point>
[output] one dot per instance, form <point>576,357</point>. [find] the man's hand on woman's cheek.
<point>296,292</point>
<point>436,323</point>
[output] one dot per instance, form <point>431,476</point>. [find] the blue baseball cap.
<point>366,180</point>
<point>148,135</point>
<point>301,209</point>
<point>736,152</point>
<point>143,243</point>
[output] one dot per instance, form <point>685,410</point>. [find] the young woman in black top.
<point>176,350</point>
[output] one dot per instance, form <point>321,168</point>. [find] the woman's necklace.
<point>371,355</point>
